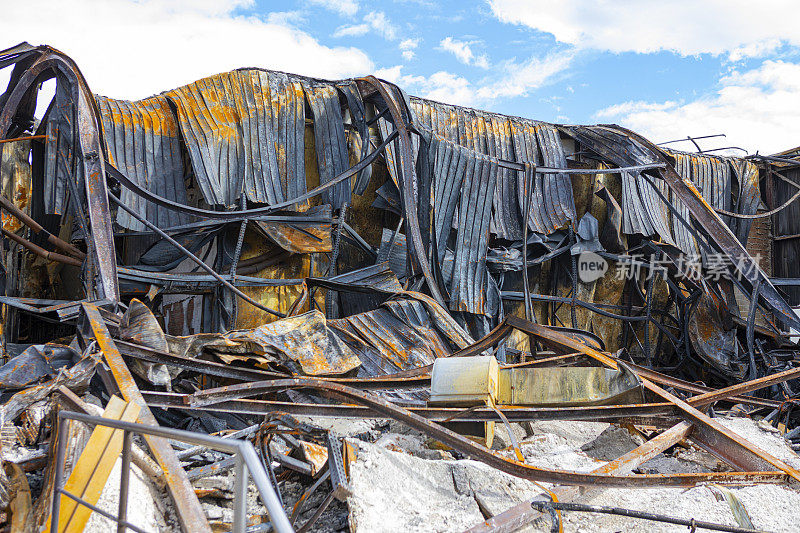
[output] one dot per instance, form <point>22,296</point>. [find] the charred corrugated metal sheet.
<point>400,331</point>
<point>59,160</point>
<point>468,291</point>
<point>510,139</point>
<point>331,143</point>
<point>244,131</point>
<point>143,141</point>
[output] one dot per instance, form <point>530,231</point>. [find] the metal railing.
<point>247,465</point>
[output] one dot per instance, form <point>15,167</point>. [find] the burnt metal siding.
<point>143,142</point>
<point>59,153</point>
<point>288,119</point>
<point>330,141</point>
<point>401,332</point>
<point>714,177</point>
<point>786,223</point>
<point>244,131</point>
<point>469,283</point>
<point>683,238</point>
<point>748,197</point>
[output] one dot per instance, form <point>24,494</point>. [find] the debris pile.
<point>263,301</point>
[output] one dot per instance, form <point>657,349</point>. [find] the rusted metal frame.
<point>480,453</point>
<point>723,237</point>
<point>709,433</point>
<point>522,513</point>
<point>409,189</point>
<point>199,262</point>
<point>103,266</point>
<point>728,393</point>
<point>189,511</point>
<point>38,229</point>
<point>658,414</point>
<point>41,252</point>
<point>675,383</point>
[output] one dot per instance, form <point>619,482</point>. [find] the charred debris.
<point>272,260</point>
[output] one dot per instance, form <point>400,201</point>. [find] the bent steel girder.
<point>410,188</point>
<point>467,446</point>
<point>629,146</point>
<point>101,282</point>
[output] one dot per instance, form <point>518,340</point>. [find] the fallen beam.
<point>189,511</point>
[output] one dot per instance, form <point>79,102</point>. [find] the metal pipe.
<point>41,252</point>
<point>124,478</point>
<point>37,228</point>
<point>240,496</point>
<point>692,523</point>
<point>63,429</point>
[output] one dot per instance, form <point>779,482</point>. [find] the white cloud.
<point>407,47</point>
<point>757,109</point>
<point>442,86</point>
<point>512,80</point>
<point>343,7</point>
<point>352,30</point>
<point>688,27</point>
<point>134,48</point>
<point>375,21</point>
<point>520,77</point>
<point>463,52</point>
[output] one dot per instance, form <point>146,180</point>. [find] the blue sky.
<point>665,69</point>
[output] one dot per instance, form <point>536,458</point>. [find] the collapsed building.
<point>278,259</point>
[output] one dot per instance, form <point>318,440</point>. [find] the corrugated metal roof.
<point>143,141</point>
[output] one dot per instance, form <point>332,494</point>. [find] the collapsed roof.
<point>285,228</point>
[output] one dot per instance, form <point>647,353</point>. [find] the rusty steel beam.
<point>480,453</point>
<point>190,513</point>
<point>709,433</point>
<point>656,414</point>
<point>522,513</point>
<point>102,282</point>
<point>740,388</point>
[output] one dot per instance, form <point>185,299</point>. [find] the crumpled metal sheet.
<point>143,142</point>
<point>713,177</point>
<point>399,335</point>
<point>511,139</point>
<point>59,153</point>
<point>306,339</point>
<point>229,122</point>
<point>36,362</point>
<point>301,237</point>
<point>330,141</point>
<point>712,342</point>
<point>139,325</point>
